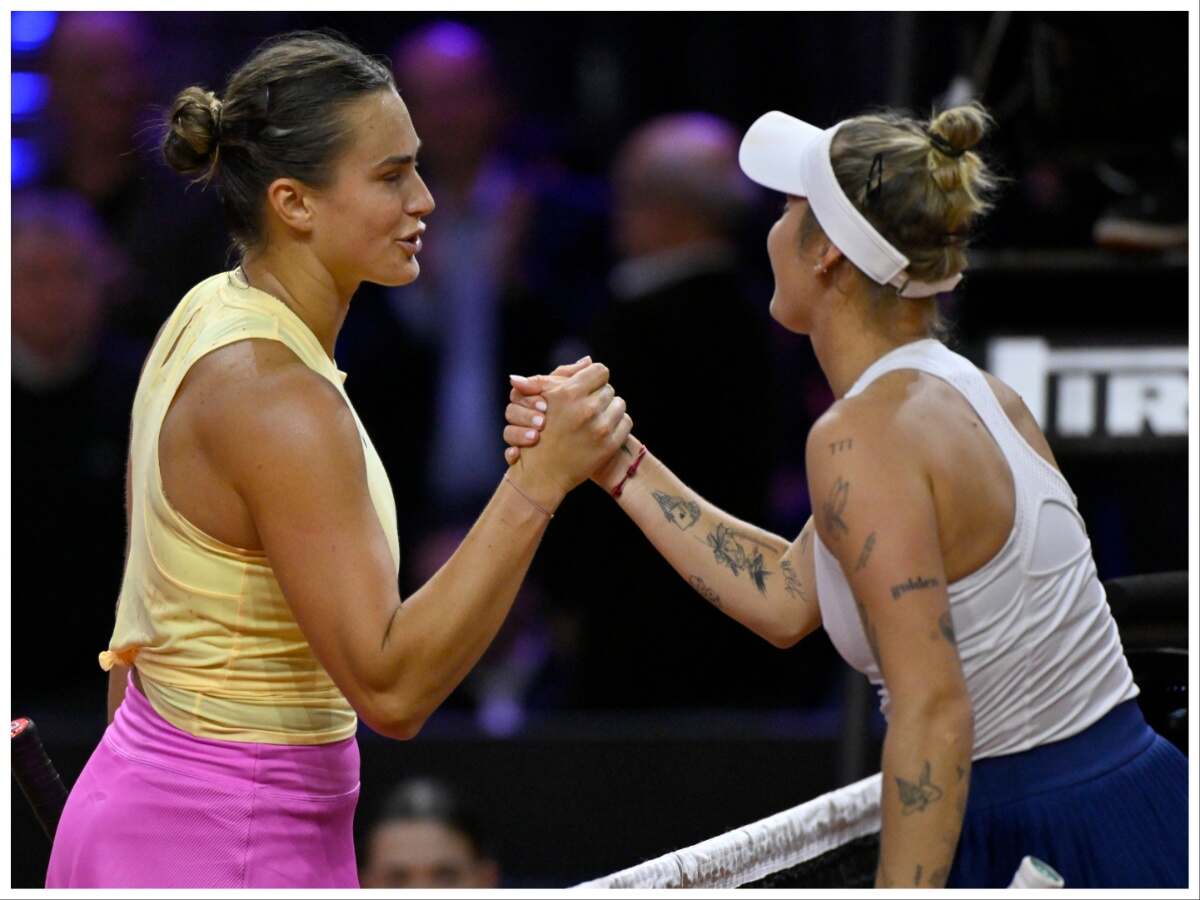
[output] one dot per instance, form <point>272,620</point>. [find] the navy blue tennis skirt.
<point>1107,808</point>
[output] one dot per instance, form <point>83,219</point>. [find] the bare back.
<point>972,484</point>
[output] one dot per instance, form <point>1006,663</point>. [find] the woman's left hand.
<point>526,410</point>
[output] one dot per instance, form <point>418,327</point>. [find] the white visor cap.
<point>783,153</point>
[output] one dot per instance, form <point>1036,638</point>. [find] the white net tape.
<point>761,848</point>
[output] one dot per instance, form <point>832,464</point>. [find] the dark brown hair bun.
<point>190,145</point>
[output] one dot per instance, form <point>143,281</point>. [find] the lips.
<point>411,243</point>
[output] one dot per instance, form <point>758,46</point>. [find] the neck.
<point>847,338</point>
<point>305,286</point>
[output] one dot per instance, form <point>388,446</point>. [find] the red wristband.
<point>630,472</point>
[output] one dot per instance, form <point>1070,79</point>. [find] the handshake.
<point>569,426</point>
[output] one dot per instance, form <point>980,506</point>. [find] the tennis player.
<point>946,558</point>
<point>259,615</point>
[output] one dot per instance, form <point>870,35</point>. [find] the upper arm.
<point>874,510</point>
<point>289,445</point>
<point>800,583</point>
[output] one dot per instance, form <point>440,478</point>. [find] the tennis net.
<point>830,841</point>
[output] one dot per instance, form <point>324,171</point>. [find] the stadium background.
<point>583,760</point>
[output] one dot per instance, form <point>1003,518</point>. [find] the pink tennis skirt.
<point>156,807</point>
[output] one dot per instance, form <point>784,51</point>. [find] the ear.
<point>291,202</point>
<point>830,257</point>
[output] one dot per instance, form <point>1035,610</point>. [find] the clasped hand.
<point>533,401</point>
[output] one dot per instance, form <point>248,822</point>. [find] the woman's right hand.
<point>584,426</point>
<point>525,417</point>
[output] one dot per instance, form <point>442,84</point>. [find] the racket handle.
<point>35,774</point>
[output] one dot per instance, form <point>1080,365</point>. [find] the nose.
<point>420,203</point>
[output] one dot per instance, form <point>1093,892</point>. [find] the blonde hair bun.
<point>962,127</point>
<point>953,132</point>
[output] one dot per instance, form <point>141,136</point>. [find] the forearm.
<point>438,634</point>
<point>926,773</point>
<point>743,570</point>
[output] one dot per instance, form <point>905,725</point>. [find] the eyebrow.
<point>399,160</point>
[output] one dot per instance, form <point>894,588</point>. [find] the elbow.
<point>786,632</point>
<point>948,714</point>
<point>958,724</point>
<point>960,712</point>
<point>783,639</point>
<point>397,728</point>
<point>405,730</point>
<point>392,717</point>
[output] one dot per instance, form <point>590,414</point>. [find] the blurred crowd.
<point>646,251</point>
<point>427,835</point>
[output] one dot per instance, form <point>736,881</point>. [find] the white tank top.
<point>1039,647</point>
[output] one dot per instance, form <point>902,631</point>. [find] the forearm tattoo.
<point>916,796</point>
<point>681,513</point>
<point>705,591</point>
<point>729,552</point>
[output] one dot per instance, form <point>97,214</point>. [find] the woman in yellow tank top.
<point>259,614</point>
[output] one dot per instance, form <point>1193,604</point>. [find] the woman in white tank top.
<point>945,558</point>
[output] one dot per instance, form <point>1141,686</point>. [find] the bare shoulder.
<point>255,404</point>
<point>873,422</point>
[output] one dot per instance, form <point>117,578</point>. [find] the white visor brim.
<point>772,151</point>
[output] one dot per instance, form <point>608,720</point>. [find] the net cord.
<point>761,848</point>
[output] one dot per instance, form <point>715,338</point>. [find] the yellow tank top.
<point>216,645</point>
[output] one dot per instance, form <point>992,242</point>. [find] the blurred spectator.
<point>689,351</point>
<point>101,76</point>
<point>72,388</point>
<point>426,837</point>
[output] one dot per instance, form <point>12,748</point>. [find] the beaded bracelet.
<point>630,472</point>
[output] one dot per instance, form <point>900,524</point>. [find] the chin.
<point>406,274</point>
<point>791,323</point>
